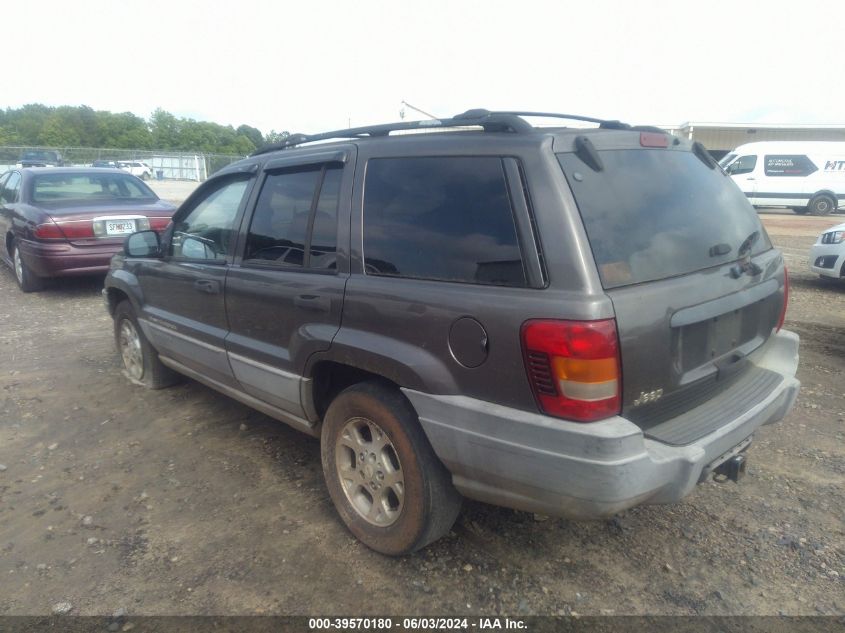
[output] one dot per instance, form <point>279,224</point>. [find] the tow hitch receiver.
<point>733,469</point>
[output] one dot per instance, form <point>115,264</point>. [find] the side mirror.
<point>143,244</point>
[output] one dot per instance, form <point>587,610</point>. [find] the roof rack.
<point>497,121</point>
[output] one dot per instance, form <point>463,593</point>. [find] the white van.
<point>806,176</point>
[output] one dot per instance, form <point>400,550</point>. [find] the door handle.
<point>208,286</point>
<point>317,303</point>
<point>751,178</point>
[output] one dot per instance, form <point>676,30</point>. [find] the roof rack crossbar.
<point>500,121</point>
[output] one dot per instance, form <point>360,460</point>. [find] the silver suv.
<point>566,321</point>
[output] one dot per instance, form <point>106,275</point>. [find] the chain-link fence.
<point>165,164</point>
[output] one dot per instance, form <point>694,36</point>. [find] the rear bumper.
<point>827,259</point>
<point>537,463</point>
<point>62,259</point>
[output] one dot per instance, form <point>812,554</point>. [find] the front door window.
<point>208,231</point>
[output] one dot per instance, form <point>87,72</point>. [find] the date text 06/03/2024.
<point>416,624</point>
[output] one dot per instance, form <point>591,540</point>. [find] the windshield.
<point>75,188</point>
<point>654,214</point>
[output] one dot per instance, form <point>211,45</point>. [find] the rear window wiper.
<point>748,242</point>
<point>744,264</point>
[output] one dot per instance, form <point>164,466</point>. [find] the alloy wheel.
<point>130,349</point>
<point>18,266</point>
<point>369,472</point>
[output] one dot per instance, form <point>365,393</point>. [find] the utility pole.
<point>408,105</point>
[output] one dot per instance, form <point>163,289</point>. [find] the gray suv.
<point>559,320</point>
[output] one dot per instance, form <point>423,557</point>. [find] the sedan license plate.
<point>120,227</point>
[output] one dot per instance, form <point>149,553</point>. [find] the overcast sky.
<point>311,66</point>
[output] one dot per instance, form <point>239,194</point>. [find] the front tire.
<point>140,360</point>
<point>388,486</point>
<point>27,280</point>
<point>822,205</point>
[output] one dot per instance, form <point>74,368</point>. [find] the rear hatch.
<point>695,283</point>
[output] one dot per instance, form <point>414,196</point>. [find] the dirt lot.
<point>174,191</point>
<point>182,501</point>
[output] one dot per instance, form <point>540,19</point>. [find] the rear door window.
<point>295,219</point>
<point>794,166</point>
<point>654,214</point>
<point>443,218</point>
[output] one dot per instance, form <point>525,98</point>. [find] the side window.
<point>445,218</point>
<point>289,204</point>
<point>11,189</point>
<point>742,165</point>
<point>207,232</point>
<point>794,166</point>
<point>324,235</point>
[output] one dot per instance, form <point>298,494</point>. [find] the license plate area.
<point>707,341</point>
<point>119,227</point>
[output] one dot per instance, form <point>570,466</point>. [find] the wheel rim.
<point>130,349</point>
<point>823,205</point>
<point>18,266</point>
<point>369,472</point>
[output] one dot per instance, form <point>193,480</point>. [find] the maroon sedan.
<point>68,221</point>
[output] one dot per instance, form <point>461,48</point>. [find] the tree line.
<point>81,126</point>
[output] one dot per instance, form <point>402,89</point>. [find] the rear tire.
<point>27,280</point>
<point>388,486</point>
<point>140,359</point>
<point>822,205</point>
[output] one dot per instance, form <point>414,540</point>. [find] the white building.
<point>720,138</point>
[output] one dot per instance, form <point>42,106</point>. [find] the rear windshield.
<point>74,188</point>
<point>654,214</point>
<point>39,155</point>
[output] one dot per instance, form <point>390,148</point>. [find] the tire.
<point>27,280</point>
<point>822,205</point>
<point>417,503</point>
<point>140,360</point>
<point>145,176</point>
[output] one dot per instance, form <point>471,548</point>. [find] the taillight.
<point>159,224</point>
<point>71,229</point>
<point>49,231</point>
<point>76,229</point>
<point>574,367</point>
<point>782,317</point>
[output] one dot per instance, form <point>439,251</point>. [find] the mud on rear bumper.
<point>536,463</point>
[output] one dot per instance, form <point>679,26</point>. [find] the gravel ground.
<point>182,501</point>
<point>175,191</point>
